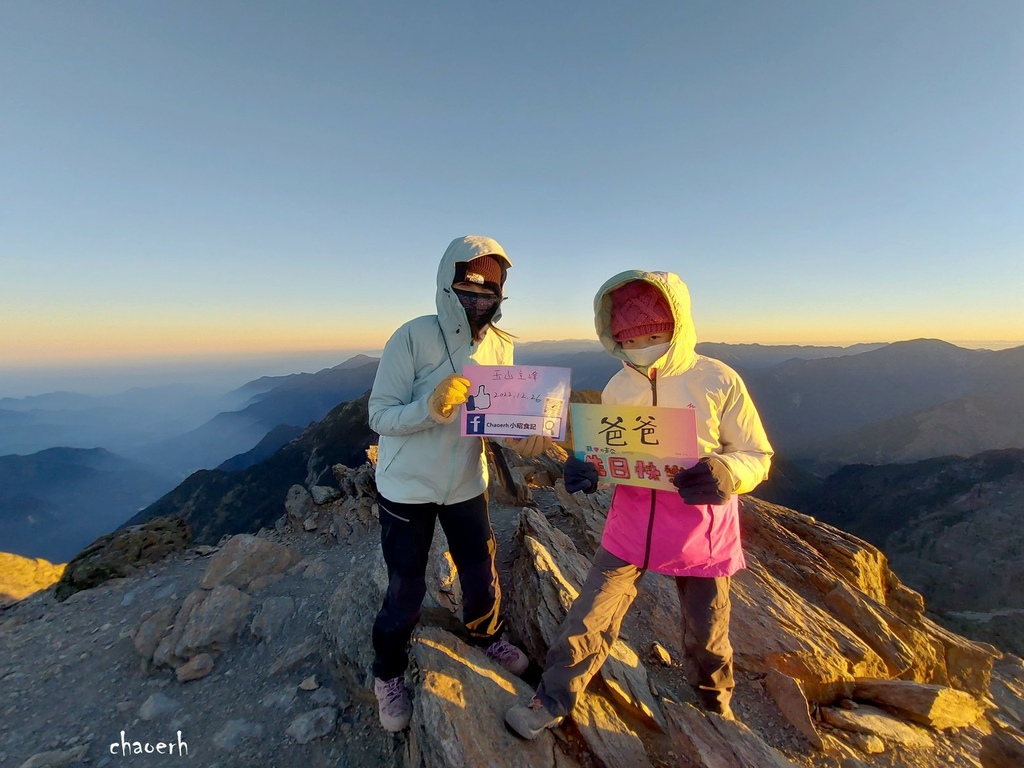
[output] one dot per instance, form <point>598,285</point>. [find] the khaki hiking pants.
<point>592,625</point>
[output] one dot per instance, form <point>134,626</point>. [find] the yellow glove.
<point>450,393</point>
<point>530,446</point>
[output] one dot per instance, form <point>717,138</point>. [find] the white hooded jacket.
<point>655,529</point>
<point>421,460</point>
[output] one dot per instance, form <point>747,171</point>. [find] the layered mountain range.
<point>823,407</point>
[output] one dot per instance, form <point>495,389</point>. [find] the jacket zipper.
<point>650,521</point>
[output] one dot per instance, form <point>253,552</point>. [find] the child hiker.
<point>644,319</point>
<point>427,472</point>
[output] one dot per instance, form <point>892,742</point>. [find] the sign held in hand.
<point>516,401</point>
<point>635,444</point>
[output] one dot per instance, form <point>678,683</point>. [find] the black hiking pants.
<point>406,531</point>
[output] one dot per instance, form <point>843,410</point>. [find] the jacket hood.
<point>449,311</point>
<point>681,353</point>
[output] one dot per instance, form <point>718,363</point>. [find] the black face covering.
<point>480,307</point>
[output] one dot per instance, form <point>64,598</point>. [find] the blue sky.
<point>226,178</point>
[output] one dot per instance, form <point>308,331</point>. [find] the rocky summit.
<point>256,651</point>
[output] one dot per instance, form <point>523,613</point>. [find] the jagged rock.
<point>313,725</point>
<point>1007,690</point>
<point>194,669</point>
<point>309,684</point>
<point>967,665</point>
<point>443,587</point>
<point>858,614</point>
<point>244,558</point>
<point>56,758</point>
<point>325,697</point>
<point>546,578</point>
<point>272,616</point>
<point>713,742</point>
<point>234,733</point>
<point>792,703</point>
<point>933,705</point>
<point>310,524</point>
<point>811,558</point>
<point>867,743</point>
<point>504,485</point>
<point>773,627</point>
<point>298,504</point>
<point>22,576</point>
<point>359,482</point>
<point>867,719</point>
<point>294,656</point>
<point>152,630</point>
<point>324,494</point>
<point>213,622</point>
<point>351,611</point>
<point>661,655</point>
<point>165,654</point>
<point>606,734</point>
<point>120,553</point>
<point>344,475</point>
<point>158,705</point>
<point>282,698</point>
<point>461,697</point>
<point>1002,749</point>
<point>590,511</point>
<point>626,678</point>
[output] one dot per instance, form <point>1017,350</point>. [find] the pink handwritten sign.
<point>516,401</point>
<point>635,444</point>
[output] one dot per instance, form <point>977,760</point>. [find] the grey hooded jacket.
<point>421,460</point>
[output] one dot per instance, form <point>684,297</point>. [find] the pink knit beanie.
<point>639,309</point>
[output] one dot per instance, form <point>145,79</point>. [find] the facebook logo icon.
<point>475,424</point>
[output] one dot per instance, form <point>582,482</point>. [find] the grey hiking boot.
<point>510,657</point>
<point>530,720</point>
<point>393,703</point>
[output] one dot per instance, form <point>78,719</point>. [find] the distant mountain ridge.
<point>295,401</point>
<point>952,527</point>
<point>55,502</point>
<point>218,502</point>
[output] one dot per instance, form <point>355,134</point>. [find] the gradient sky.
<point>217,178</point>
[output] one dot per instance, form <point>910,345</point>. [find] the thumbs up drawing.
<point>481,401</point>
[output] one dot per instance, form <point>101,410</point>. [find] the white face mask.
<point>643,358</point>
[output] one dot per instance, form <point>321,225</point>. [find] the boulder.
<point>789,696</point>
<point>324,494</point>
<point>606,734</point>
<point>350,613</point>
<point>194,669</point>
<point>867,719</point>
<point>313,725</point>
<point>546,577</point>
<point>713,742</point>
<point>214,621</point>
<point>933,705</point>
<point>461,697</point>
<point>152,630</point>
<point>244,558</point>
<point>272,616</point>
<point>628,684</point>
<point>1002,749</point>
<point>122,552</point>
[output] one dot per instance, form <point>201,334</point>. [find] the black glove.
<point>707,482</point>
<point>580,476</point>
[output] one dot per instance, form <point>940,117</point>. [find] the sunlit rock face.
<point>23,576</point>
